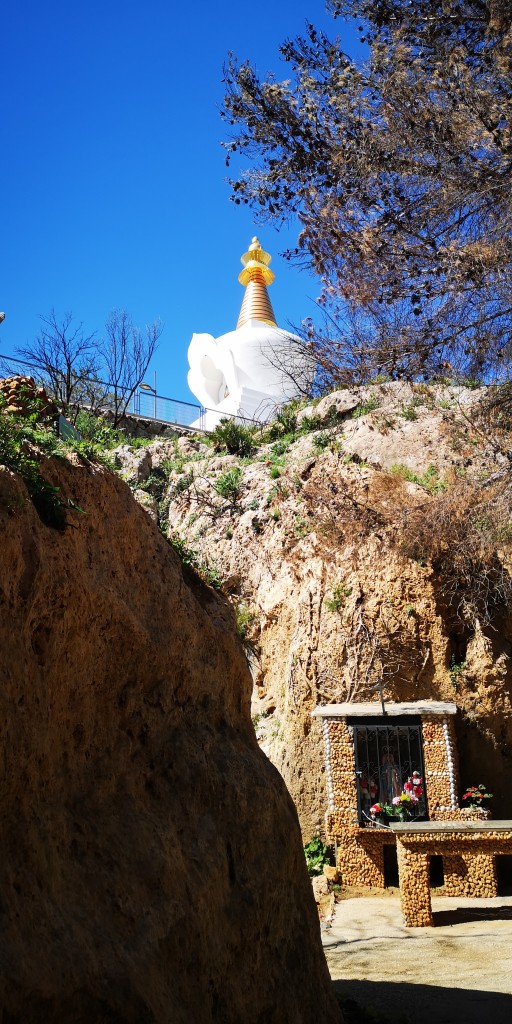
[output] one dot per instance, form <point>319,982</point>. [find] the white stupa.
<point>251,371</point>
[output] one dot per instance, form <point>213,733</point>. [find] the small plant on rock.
<point>191,560</point>
<point>183,483</point>
<point>430,479</point>
<point>339,596</point>
<point>321,441</point>
<point>229,483</point>
<point>245,621</point>
<point>233,437</point>
<point>366,407</point>
<point>317,855</point>
<point>245,618</point>
<point>409,412</point>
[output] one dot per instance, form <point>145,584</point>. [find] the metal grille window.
<point>386,756</point>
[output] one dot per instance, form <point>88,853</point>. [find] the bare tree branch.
<point>127,352</point>
<point>399,174</point>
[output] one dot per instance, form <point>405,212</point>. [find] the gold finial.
<point>256,275</point>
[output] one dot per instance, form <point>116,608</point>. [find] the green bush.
<point>98,431</point>
<point>282,445</point>
<point>156,483</point>
<point>321,441</point>
<point>310,423</point>
<point>183,483</point>
<point>190,559</point>
<point>317,855</point>
<point>233,437</point>
<point>229,483</point>
<point>15,433</point>
<point>97,439</point>
<point>245,618</point>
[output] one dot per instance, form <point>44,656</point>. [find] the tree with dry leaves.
<point>398,171</point>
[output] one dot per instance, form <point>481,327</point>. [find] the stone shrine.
<point>370,753</point>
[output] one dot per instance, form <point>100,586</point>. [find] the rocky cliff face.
<point>370,543</point>
<point>151,863</point>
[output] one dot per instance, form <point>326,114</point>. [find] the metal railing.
<point>144,403</point>
<point>171,411</point>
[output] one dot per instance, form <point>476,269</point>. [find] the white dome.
<point>254,369</point>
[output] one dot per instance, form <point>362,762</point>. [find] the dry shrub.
<point>464,535</point>
<point>377,653</point>
<point>342,509</point>
<point>495,416</point>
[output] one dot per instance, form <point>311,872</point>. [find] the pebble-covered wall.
<point>441,765</point>
<point>360,850</point>
<point>469,863</point>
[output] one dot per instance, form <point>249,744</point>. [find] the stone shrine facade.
<point>370,753</point>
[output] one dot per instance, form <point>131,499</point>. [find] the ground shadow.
<point>465,914</point>
<point>363,1002</point>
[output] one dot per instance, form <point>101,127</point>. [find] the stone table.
<point>468,849</point>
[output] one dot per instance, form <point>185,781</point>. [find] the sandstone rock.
<point>337,405</point>
<point>320,887</point>
<point>187,446</point>
<point>331,873</point>
<point>148,502</point>
<point>151,861</point>
<point>332,524</point>
<point>305,414</point>
<point>134,465</point>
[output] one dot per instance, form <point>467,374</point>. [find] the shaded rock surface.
<point>151,867</point>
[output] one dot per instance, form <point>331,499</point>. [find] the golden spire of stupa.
<point>256,275</point>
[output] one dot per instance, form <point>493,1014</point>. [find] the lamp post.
<point>147,387</point>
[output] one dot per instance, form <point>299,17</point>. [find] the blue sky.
<point>113,178</point>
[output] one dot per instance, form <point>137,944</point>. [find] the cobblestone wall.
<point>360,858</point>
<point>441,765</point>
<point>341,769</point>
<point>469,863</point>
<point>360,851</point>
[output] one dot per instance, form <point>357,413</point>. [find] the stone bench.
<point>468,850</point>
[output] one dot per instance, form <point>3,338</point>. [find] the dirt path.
<point>458,972</point>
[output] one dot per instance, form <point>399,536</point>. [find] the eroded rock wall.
<point>310,540</point>
<point>151,867</point>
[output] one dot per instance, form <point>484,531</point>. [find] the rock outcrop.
<point>312,537</point>
<point>21,396</point>
<point>151,860</point>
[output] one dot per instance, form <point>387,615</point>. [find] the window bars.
<point>386,755</point>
